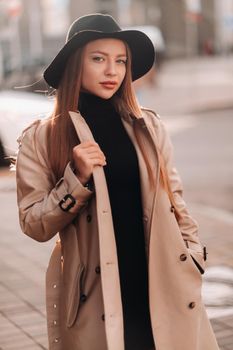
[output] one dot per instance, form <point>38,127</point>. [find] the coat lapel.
<point>108,255</point>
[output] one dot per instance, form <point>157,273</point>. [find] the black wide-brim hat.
<point>99,26</point>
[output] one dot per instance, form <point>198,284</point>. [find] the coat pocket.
<point>198,261</point>
<point>198,255</point>
<point>74,299</point>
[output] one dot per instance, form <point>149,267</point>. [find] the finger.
<point>94,152</point>
<point>97,161</point>
<point>82,146</point>
<point>90,151</point>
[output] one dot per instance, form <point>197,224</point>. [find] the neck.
<point>92,103</point>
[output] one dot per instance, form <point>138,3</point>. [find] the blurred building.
<point>10,42</point>
<point>224,25</point>
<point>187,25</point>
<point>31,31</point>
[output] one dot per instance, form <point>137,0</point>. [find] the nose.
<point>110,68</point>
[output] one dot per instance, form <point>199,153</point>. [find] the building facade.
<point>31,31</point>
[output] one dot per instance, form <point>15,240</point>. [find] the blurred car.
<point>17,111</point>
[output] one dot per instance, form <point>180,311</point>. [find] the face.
<point>104,67</point>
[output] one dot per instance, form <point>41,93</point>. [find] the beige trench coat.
<point>84,310</point>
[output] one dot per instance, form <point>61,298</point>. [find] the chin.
<point>107,95</point>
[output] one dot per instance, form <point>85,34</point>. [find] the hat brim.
<point>142,50</point>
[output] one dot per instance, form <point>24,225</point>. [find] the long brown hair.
<point>61,136</point>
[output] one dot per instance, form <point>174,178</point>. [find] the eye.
<point>122,61</point>
<point>98,58</point>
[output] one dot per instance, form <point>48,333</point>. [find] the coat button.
<point>183,257</point>
<point>103,317</point>
<point>97,270</point>
<point>56,340</point>
<point>172,209</point>
<point>89,218</point>
<point>54,306</point>
<point>54,322</point>
<point>83,298</point>
<point>192,305</point>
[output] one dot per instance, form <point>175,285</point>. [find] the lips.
<point>109,84</point>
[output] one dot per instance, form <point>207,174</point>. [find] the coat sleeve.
<point>188,226</point>
<point>44,209</point>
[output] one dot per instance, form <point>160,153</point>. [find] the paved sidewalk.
<point>23,264</point>
<point>223,329</point>
<point>190,86</point>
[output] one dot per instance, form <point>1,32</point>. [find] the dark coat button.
<point>88,218</point>
<point>192,305</point>
<point>183,257</point>
<point>83,298</point>
<point>103,317</point>
<point>97,270</point>
<point>172,209</point>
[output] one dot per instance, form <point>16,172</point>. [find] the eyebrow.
<point>106,54</point>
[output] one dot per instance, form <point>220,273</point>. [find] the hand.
<point>86,156</point>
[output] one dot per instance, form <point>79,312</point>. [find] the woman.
<point>126,272</point>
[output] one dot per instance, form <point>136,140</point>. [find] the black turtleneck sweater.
<point>122,176</point>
